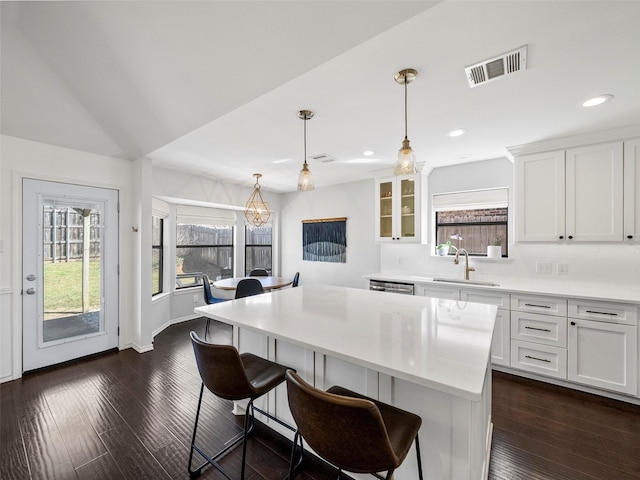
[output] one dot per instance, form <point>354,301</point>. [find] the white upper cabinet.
<point>399,209</point>
<point>594,182</point>
<point>540,206</point>
<point>573,195</point>
<point>632,190</point>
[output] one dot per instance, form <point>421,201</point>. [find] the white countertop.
<point>544,286</point>
<point>440,344</point>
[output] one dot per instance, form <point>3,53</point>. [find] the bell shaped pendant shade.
<point>305,180</point>
<point>256,210</point>
<point>406,160</point>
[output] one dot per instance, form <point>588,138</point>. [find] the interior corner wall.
<point>26,159</point>
<point>354,200</point>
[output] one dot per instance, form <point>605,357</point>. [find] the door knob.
<point>31,291</point>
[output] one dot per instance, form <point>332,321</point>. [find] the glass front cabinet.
<point>399,209</point>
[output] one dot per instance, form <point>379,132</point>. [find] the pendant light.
<point>305,181</point>
<point>406,160</point>
<point>256,209</point>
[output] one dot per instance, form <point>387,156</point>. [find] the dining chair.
<point>296,279</point>
<point>209,299</point>
<point>235,376</point>
<point>350,431</point>
<point>247,287</point>
<point>259,272</point>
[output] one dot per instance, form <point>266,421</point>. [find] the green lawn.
<point>63,287</point>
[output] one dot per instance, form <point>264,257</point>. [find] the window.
<point>257,248</point>
<point>202,249</point>
<point>480,217</point>
<point>157,234</point>
<point>204,244</point>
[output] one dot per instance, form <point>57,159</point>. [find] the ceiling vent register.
<point>497,67</point>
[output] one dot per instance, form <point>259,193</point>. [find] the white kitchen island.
<point>428,356</point>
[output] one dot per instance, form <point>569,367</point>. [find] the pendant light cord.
<point>305,139</point>
<point>405,106</point>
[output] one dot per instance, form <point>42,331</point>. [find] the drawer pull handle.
<point>539,359</point>
<point>534,305</point>
<point>539,329</point>
<point>603,313</point>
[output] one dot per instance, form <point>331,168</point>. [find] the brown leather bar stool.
<point>350,431</point>
<point>232,376</point>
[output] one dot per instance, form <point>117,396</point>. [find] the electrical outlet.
<point>543,267</point>
<point>195,298</point>
<point>563,269</point>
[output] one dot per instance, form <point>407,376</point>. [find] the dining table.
<point>268,283</point>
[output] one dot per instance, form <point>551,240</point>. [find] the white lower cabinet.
<point>588,342</point>
<point>500,345</point>
<point>539,358</point>
<point>533,327</point>
<point>539,334</point>
<point>500,351</point>
<point>604,354</point>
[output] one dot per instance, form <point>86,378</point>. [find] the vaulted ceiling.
<point>213,87</point>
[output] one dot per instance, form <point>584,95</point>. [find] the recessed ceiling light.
<point>284,160</point>
<point>599,100</point>
<point>457,133</point>
<point>368,153</point>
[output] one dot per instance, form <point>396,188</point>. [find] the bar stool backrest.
<point>347,432</point>
<point>221,369</point>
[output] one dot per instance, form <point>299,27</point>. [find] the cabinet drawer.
<point>537,328</point>
<point>481,296</point>
<point>539,304</point>
<point>624,313</point>
<point>436,292</point>
<point>542,359</point>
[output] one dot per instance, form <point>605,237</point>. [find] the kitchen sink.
<point>466,282</point>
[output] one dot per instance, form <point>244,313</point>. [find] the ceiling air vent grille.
<point>497,67</point>
<point>323,157</point>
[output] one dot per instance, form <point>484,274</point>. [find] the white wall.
<point>20,159</point>
<point>353,200</point>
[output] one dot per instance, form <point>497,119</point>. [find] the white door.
<point>69,272</point>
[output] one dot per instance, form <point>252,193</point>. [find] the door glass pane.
<point>408,213</point>
<point>386,210</point>
<point>72,267</point>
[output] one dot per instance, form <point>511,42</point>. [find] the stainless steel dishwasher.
<point>393,287</point>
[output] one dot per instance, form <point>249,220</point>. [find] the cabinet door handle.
<point>603,313</point>
<point>561,237</point>
<point>629,237</point>
<point>573,323</point>
<point>539,359</point>
<point>539,329</point>
<point>570,237</point>
<point>537,306</point>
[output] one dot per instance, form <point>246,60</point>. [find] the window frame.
<point>160,248</point>
<point>472,200</point>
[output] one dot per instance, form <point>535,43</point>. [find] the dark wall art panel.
<point>325,240</point>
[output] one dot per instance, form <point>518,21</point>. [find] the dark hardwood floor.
<point>130,416</point>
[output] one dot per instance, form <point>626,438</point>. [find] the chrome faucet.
<point>467,268</point>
